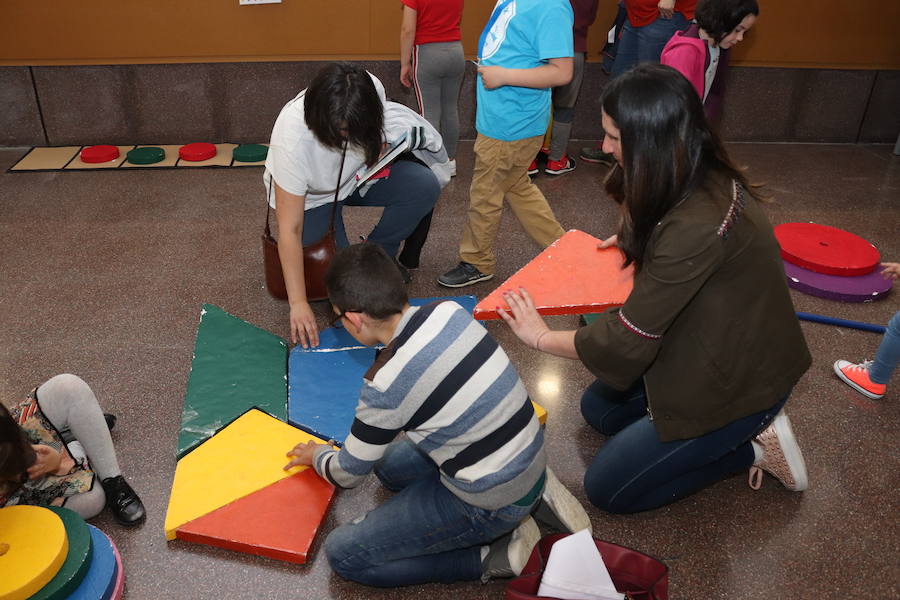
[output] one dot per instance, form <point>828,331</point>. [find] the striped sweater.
<point>445,382</point>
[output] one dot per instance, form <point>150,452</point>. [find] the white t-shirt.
<point>710,75</point>
<point>302,166</point>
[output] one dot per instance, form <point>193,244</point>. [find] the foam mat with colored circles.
<point>108,157</point>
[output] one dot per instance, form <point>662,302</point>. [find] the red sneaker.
<point>533,168</point>
<point>558,167</point>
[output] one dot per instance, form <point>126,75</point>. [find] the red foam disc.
<point>826,249</point>
<point>197,151</point>
<point>99,154</point>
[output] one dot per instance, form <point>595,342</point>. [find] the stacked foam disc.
<point>831,263</point>
<point>51,554</point>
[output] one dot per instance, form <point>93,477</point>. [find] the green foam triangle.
<point>235,367</point>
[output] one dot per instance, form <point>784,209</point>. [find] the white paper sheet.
<point>575,571</point>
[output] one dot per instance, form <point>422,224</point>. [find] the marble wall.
<point>238,102</point>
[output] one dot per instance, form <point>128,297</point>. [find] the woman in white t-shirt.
<point>346,106</point>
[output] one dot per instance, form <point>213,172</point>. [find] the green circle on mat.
<point>250,153</point>
<point>146,156</point>
<point>77,562</point>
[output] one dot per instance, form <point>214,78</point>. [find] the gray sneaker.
<point>507,556</point>
<point>559,509</point>
<point>596,155</point>
<point>462,275</point>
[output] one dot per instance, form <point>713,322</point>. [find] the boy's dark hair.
<point>668,150</point>
<point>16,453</point>
<point>718,18</point>
<point>342,95</point>
<point>362,278</point>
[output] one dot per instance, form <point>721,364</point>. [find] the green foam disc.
<point>250,153</point>
<point>146,156</point>
<point>78,560</point>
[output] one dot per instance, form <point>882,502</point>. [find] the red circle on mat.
<point>825,249</point>
<point>99,154</point>
<point>197,151</point>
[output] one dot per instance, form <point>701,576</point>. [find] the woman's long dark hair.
<point>718,18</point>
<point>16,453</point>
<point>342,95</point>
<point>668,149</point>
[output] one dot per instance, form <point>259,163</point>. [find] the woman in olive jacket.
<point>693,371</point>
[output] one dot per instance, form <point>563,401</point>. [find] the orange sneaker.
<point>781,457</point>
<point>857,377</point>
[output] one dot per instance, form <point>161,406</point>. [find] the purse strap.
<point>268,232</point>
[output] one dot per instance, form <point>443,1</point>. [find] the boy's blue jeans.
<point>635,471</point>
<point>422,534</point>
<point>888,352</point>
<point>645,44</point>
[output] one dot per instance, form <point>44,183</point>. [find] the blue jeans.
<point>408,194</point>
<point>635,471</point>
<point>645,44</point>
<point>422,534</point>
<point>888,354</point>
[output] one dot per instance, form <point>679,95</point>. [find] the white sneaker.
<point>453,167</point>
<point>559,509</point>
<point>508,555</point>
<point>781,457</point>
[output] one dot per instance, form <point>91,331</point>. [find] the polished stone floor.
<point>103,275</point>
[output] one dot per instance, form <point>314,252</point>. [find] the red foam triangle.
<point>571,277</point>
<point>279,521</point>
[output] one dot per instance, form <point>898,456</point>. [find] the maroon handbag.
<point>635,574</point>
<point>316,257</point>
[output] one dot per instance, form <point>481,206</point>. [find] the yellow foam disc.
<point>37,548</point>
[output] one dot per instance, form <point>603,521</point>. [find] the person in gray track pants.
<point>432,63</point>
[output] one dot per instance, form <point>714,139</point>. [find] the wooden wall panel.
<point>829,33</point>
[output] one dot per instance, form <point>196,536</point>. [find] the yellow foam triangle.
<point>244,457</point>
<point>540,411</point>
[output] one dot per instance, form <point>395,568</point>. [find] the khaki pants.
<point>501,170</point>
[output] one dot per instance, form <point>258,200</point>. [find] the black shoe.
<point>462,275</point>
<point>124,503</point>
<point>404,272</point>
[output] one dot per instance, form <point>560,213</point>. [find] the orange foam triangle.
<point>570,277</point>
<point>279,521</point>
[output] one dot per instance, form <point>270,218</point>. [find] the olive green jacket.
<point>709,325</point>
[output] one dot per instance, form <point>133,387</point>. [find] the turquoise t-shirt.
<point>521,34</point>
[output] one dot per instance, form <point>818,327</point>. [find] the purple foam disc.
<point>860,288</point>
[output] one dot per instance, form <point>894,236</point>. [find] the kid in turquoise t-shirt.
<point>522,34</point>
<point>525,50</point>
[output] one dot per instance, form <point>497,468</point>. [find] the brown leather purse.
<point>316,257</point>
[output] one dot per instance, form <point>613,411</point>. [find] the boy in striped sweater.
<point>444,421</point>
